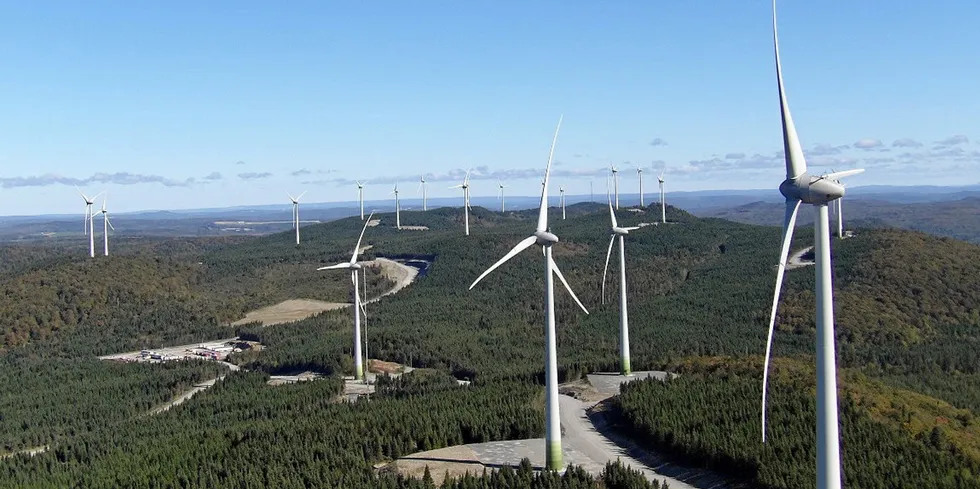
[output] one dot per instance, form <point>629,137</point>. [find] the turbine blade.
<point>353,257</point>
<point>612,216</point>
<point>789,222</point>
<point>606,268</point>
<point>843,174</point>
<point>300,196</point>
<point>795,162</point>
<point>338,266</point>
<point>554,267</point>
<point>523,245</point>
<point>543,211</point>
<point>107,221</point>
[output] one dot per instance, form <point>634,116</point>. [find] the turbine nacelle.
<point>811,190</point>
<point>545,238</point>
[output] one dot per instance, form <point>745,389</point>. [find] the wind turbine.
<point>398,208</point>
<point>561,199</point>
<point>501,196</point>
<point>615,176</point>
<point>545,239</point>
<point>801,187</point>
<point>639,175</point>
<point>466,201</point>
<point>624,334</point>
<point>106,225</point>
<point>354,268</point>
<point>663,203</point>
<point>360,197</point>
<point>89,220</point>
<point>295,201</point>
<point>425,205</point>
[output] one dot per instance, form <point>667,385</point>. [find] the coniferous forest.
<point>908,326</point>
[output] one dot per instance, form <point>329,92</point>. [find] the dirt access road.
<point>585,443</point>
<point>297,309</point>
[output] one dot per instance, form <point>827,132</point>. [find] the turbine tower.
<point>561,199</point>
<point>663,203</point>
<point>500,196</point>
<point>354,268</point>
<point>800,187</point>
<point>545,239</point>
<point>639,175</point>
<point>360,197</point>
<point>624,333</point>
<point>615,176</point>
<point>89,220</point>
<point>425,205</point>
<point>466,200</point>
<point>106,225</point>
<point>398,208</point>
<point>840,218</point>
<point>295,201</point>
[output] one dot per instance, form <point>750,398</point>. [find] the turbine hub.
<point>545,238</point>
<point>355,266</point>
<point>620,231</point>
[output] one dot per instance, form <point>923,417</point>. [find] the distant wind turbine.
<point>360,197</point>
<point>545,239</point>
<point>106,225</point>
<point>89,220</point>
<point>624,333</point>
<point>354,268</point>
<point>425,205</point>
<point>295,201</point>
<point>801,187</point>
<point>466,201</point>
<point>398,208</point>
<point>561,199</point>
<point>663,203</point>
<point>500,196</point>
<point>840,213</point>
<point>639,175</point>
<point>615,176</point>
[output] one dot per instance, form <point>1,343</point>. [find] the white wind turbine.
<point>800,187</point>
<point>561,200</point>
<point>425,205</point>
<point>663,202</point>
<point>639,175</point>
<point>398,208</point>
<point>840,213</point>
<point>354,268</point>
<point>89,220</point>
<point>360,196</point>
<point>295,201</point>
<point>545,239</point>
<point>500,196</point>
<point>624,334</point>
<point>106,225</point>
<point>466,200</point>
<point>615,176</point>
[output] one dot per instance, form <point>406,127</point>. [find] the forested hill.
<point>907,307</point>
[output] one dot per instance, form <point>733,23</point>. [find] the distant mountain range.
<point>946,211</point>
<point>958,219</point>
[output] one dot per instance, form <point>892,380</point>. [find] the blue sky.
<point>186,104</point>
